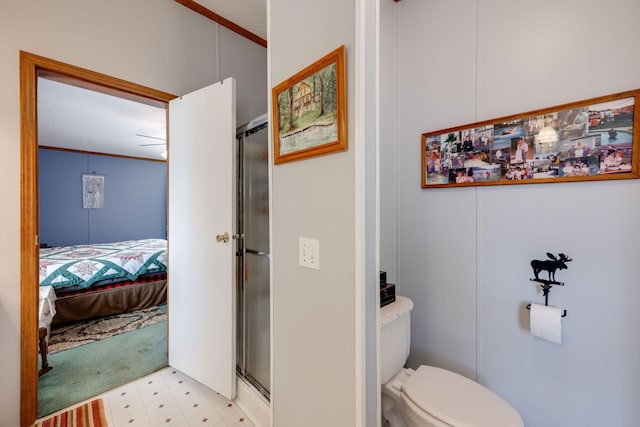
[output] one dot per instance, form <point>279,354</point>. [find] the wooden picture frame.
<point>310,110</point>
<point>594,139</point>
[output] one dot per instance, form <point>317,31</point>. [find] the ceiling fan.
<point>164,142</point>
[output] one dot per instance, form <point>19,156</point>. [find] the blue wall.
<point>134,199</point>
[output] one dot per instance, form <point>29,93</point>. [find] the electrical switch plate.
<point>309,255</point>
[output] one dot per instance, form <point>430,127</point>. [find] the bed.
<point>104,279</point>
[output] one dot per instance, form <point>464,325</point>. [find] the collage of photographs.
<point>578,142</point>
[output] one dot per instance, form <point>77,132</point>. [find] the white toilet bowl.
<point>430,396</point>
<point>435,397</point>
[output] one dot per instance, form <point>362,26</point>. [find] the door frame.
<point>32,66</point>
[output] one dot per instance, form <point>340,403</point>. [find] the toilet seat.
<point>456,400</point>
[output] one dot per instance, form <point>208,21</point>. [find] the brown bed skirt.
<point>110,301</point>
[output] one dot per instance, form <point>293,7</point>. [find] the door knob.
<point>222,237</point>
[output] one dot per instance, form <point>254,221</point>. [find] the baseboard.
<point>253,404</point>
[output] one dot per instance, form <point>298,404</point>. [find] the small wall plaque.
<point>92,191</point>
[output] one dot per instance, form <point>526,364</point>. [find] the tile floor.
<point>169,397</point>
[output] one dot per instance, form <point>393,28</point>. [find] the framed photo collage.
<point>588,140</point>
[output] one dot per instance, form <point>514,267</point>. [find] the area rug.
<point>75,334</point>
<point>90,414</point>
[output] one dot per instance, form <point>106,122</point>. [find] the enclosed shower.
<point>253,286</point>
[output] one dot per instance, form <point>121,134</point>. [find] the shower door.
<point>253,287</point>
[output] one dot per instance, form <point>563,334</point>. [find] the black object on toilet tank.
<point>387,294</point>
<point>383,279</point>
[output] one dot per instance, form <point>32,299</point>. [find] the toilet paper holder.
<point>550,265</point>
<point>546,287</point>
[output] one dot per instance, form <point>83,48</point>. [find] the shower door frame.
<point>257,125</point>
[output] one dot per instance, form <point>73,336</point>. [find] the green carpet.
<point>91,369</point>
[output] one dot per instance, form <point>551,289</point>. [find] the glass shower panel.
<point>254,356</point>
<point>256,191</point>
<point>257,336</point>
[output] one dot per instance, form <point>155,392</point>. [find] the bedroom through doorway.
<point>102,197</point>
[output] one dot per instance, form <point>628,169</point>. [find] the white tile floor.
<point>169,397</point>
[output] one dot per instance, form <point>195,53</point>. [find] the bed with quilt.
<point>103,279</point>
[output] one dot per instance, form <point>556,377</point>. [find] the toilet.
<point>430,396</point>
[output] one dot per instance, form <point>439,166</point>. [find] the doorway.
<point>33,66</point>
<point>101,305</point>
<point>202,127</point>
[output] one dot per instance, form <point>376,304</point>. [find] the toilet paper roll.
<point>546,323</point>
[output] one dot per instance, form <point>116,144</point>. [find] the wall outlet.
<point>309,255</point>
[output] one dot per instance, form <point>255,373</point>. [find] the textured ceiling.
<point>80,119</point>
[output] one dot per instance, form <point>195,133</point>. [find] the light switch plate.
<point>309,255</point>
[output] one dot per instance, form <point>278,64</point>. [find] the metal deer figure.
<point>550,265</point>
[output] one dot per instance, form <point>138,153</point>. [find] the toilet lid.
<point>457,400</point>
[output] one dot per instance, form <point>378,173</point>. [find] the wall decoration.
<point>595,139</point>
<point>310,110</point>
<point>550,266</point>
<point>92,191</point>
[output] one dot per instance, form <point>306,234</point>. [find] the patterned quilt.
<point>84,265</point>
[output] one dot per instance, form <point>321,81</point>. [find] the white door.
<point>201,196</point>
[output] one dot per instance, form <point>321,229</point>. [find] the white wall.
<point>463,253</point>
<point>160,44</point>
<point>319,316</point>
<point>388,145</point>
<point>247,63</point>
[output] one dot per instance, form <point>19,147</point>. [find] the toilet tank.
<point>395,336</point>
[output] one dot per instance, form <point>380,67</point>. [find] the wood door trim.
<point>31,66</point>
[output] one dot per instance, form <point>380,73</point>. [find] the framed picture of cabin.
<point>310,110</point>
<point>594,139</point>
